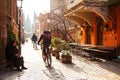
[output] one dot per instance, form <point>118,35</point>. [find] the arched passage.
<point>76,19</point>
<point>88,17</point>
<point>91,17</point>
<point>100,11</point>
<point>87,31</point>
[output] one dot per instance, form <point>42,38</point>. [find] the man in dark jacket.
<point>34,40</point>
<point>13,55</point>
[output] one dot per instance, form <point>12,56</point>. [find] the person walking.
<point>34,40</point>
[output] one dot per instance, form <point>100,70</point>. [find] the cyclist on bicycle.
<point>46,41</point>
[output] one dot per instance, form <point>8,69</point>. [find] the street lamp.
<point>19,4</point>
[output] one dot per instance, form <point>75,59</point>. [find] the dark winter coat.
<point>10,52</point>
<point>34,38</point>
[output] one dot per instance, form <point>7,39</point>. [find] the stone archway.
<point>89,10</point>
<point>81,21</point>
<point>100,11</point>
<point>85,9</point>
<point>76,19</point>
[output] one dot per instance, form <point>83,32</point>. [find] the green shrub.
<point>59,44</point>
<point>11,36</point>
<point>56,43</point>
<point>65,46</point>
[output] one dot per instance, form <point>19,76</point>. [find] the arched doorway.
<point>88,35</point>
<point>99,28</point>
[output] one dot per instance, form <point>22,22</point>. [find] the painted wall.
<point>112,37</point>
<point>109,39</point>
<point>117,11</point>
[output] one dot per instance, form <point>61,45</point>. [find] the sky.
<point>38,6</point>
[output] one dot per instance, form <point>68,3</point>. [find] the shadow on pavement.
<point>8,73</point>
<point>74,67</point>
<point>110,66</point>
<point>53,73</point>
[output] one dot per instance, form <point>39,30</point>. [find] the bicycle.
<point>47,57</point>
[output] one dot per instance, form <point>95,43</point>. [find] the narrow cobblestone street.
<point>80,69</point>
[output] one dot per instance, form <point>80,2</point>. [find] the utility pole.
<point>20,23</point>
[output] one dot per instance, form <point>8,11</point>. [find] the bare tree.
<point>60,23</point>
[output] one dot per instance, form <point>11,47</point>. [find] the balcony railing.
<point>72,3</point>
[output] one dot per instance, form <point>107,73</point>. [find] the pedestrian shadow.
<point>7,73</point>
<point>54,74</point>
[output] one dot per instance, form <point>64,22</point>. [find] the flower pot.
<point>66,59</point>
<point>57,55</point>
<point>53,53</point>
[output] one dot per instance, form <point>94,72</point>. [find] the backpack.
<point>47,38</point>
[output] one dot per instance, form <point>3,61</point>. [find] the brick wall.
<point>3,32</point>
<point>7,15</point>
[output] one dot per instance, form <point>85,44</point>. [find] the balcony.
<point>73,3</point>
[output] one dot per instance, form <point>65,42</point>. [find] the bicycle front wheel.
<point>49,60</point>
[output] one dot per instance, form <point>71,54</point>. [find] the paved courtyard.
<point>80,69</point>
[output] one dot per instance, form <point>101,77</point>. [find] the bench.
<point>96,51</point>
<point>104,52</point>
<point>77,50</point>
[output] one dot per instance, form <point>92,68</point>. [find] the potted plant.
<point>66,53</point>
<point>56,46</point>
<point>66,56</point>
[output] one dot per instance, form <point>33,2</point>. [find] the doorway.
<point>88,35</point>
<point>100,27</point>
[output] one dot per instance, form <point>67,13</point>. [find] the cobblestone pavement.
<point>80,69</point>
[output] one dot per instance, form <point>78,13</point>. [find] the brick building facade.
<point>3,32</point>
<point>44,24</point>
<point>8,19</point>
